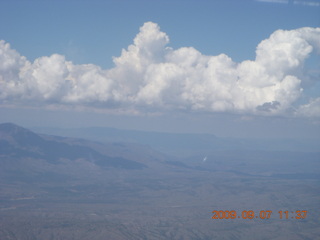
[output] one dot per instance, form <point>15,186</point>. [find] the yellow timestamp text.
<point>263,214</point>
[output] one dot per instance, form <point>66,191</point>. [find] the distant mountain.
<point>177,144</point>
<point>184,144</point>
<point>25,154</point>
<point>19,143</point>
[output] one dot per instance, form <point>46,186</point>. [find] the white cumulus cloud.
<point>149,75</point>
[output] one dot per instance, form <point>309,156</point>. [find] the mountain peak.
<point>10,127</point>
<point>15,134</point>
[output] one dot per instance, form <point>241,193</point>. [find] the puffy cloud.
<point>87,84</point>
<point>45,78</point>
<point>11,64</point>
<point>148,75</point>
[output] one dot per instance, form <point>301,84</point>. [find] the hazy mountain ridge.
<point>18,142</point>
<point>184,144</point>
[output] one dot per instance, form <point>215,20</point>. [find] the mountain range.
<point>183,144</point>
<point>17,143</point>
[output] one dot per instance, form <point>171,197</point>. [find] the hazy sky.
<point>233,68</point>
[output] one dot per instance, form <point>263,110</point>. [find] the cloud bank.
<point>150,76</point>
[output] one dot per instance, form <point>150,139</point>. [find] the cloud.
<point>312,109</point>
<point>307,3</point>
<point>295,2</point>
<point>10,65</point>
<point>150,76</point>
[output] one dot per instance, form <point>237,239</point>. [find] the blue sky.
<point>95,32</point>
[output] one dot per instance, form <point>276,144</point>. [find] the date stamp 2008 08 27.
<point>263,214</point>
